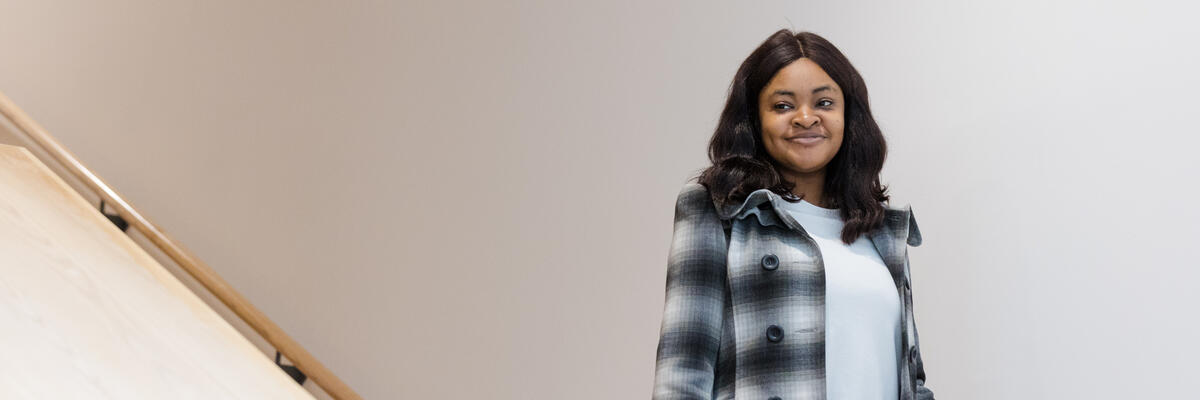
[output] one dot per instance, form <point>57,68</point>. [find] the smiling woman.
<point>791,87</point>
<point>802,121</point>
<point>788,274</point>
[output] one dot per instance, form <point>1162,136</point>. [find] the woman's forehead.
<point>801,77</point>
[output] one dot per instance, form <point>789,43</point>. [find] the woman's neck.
<point>811,187</point>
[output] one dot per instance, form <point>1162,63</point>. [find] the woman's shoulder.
<point>692,188</point>
<point>695,202</point>
<point>694,196</point>
<point>905,220</point>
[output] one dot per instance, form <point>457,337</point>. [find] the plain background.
<point>474,199</point>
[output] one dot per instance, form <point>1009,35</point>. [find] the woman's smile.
<point>807,141</point>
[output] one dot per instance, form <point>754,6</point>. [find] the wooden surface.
<point>86,313</point>
<point>196,268</point>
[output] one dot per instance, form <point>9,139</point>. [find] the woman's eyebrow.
<point>793,94</point>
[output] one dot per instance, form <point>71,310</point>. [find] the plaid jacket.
<point>745,302</point>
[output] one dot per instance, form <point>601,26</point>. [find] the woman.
<point>788,273</point>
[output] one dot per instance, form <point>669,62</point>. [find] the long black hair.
<point>741,164</point>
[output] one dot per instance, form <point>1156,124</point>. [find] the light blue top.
<point>862,310</point>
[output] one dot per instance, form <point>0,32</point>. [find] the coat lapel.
<point>890,242</point>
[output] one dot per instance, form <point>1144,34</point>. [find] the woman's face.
<point>803,115</point>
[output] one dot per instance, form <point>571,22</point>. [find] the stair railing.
<point>283,343</point>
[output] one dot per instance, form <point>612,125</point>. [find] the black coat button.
<point>770,262</point>
<point>912,354</point>
<point>774,398</point>
<point>774,333</point>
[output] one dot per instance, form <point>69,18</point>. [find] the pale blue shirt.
<point>862,310</point>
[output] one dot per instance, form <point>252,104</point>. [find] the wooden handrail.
<point>188,261</point>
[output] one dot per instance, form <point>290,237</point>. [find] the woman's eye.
<point>781,105</point>
<point>826,101</point>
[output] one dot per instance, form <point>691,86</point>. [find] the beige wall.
<point>474,200</point>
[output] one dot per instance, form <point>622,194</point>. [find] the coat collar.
<point>899,227</point>
<point>899,222</point>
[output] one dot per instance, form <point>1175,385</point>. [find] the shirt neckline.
<point>803,206</point>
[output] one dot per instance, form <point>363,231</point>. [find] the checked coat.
<point>745,302</point>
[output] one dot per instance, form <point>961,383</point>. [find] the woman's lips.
<point>807,141</point>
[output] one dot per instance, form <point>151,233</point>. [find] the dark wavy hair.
<point>741,164</point>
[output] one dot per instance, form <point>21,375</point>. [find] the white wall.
<point>455,200</point>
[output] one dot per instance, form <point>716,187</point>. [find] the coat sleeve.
<point>690,335</point>
<point>918,372</point>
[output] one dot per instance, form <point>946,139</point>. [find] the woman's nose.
<point>805,119</point>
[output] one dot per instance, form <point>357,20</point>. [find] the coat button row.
<point>774,333</point>
<point>770,262</point>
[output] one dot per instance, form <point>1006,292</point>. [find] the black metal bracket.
<point>291,370</point>
<point>115,218</point>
